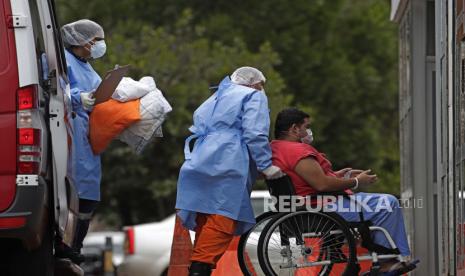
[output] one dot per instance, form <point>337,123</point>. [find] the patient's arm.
<point>311,172</point>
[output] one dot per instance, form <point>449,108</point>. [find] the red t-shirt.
<point>287,154</point>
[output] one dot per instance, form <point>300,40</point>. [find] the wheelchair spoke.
<point>248,247</point>
<point>322,228</point>
<point>328,241</point>
<point>308,243</point>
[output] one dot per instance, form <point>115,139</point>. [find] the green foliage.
<point>335,59</point>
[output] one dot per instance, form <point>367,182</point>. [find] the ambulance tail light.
<point>29,144</point>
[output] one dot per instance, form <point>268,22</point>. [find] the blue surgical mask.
<point>309,138</point>
<point>98,49</point>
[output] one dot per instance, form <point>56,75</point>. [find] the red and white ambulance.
<point>37,202</point>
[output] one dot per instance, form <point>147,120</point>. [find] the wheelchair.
<point>306,242</point>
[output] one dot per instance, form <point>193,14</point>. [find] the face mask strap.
<point>291,133</point>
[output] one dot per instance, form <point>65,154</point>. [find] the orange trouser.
<point>212,237</point>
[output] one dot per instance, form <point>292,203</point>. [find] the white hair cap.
<point>80,32</point>
<point>247,76</point>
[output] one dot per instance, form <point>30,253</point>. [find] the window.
<point>39,43</point>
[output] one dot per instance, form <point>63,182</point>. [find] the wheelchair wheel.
<point>247,248</point>
<point>307,243</point>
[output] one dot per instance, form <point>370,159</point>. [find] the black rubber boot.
<point>200,269</point>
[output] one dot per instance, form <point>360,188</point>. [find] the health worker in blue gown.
<point>84,42</point>
<point>231,132</point>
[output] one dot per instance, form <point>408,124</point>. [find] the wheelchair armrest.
<point>281,186</point>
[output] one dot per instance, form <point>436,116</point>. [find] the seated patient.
<point>312,173</point>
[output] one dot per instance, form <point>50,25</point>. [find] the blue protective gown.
<point>86,168</point>
<point>232,129</point>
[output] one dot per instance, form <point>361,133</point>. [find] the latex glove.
<point>87,100</point>
<point>273,172</point>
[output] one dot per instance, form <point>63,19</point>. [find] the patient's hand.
<point>342,172</point>
<point>348,173</point>
<point>354,173</point>
<point>366,178</point>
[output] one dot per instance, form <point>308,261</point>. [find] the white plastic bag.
<point>153,111</point>
<point>129,89</point>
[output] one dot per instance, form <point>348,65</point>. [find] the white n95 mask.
<point>309,138</point>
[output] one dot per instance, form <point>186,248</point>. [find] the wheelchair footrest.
<point>367,242</point>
